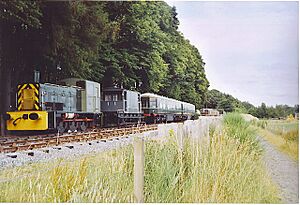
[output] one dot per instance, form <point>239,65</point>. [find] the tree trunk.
<point>2,123</point>
<point>5,83</point>
<point>5,98</point>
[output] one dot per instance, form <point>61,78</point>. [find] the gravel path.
<point>284,171</point>
<point>67,151</point>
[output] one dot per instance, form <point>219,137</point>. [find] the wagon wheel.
<point>73,127</point>
<point>60,128</point>
<point>83,126</point>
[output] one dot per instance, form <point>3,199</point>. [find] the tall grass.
<point>284,135</point>
<point>236,127</point>
<point>228,169</point>
<point>102,178</point>
<point>260,123</point>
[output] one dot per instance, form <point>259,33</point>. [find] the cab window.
<point>107,97</point>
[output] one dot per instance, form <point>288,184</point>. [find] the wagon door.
<point>97,98</point>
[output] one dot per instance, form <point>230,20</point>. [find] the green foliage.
<point>23,14</point>
<point>152,55</point>
<point>217,100</point>
<point>237,128</point>
<point>279,111</point>
<point>62,34</point>
<point>133,44</point>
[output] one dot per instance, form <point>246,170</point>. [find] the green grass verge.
<point>227,170</point>
<point>284,135</point>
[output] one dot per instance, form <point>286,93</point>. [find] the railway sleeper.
<point>39,145</point>
<point>22,147</point>
<point>10,149</point>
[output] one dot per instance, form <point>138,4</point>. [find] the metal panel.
<point>28,97</point>
<point>112,106</point>
<point>90,95</point>
<point>55,97</point>
<point>113,100</point>
<point>20,121</point>
<point>133,102</point>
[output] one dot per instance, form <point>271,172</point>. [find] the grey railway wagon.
<point>158,108</point>
<point>121,106</point>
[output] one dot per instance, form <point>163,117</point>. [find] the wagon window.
<point>107,98</point>
<point>145,102</point>
<point>153,103</point>
<point>115,97</point>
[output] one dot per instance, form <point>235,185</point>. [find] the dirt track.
<point>284,171</point>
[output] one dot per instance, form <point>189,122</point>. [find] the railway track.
<point>23,143</point>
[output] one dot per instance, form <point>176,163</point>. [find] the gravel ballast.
<point>284,171</point>
<point>66,151</point>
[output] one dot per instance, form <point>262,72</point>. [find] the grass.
<point>237,128</point>
<point>100,178</point>
<point>284,135</point>
<point>228,169</point>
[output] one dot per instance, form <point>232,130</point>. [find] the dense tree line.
<point>131,44</point>
<point>136,45</point>
<point>218,100</point>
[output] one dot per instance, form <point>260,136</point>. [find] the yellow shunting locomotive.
<point>74,105</point>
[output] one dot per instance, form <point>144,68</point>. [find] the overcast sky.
<point>250,48</point>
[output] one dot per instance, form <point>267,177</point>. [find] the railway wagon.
<point>209,112</point>
<point>158,109</point>
<point>121,107</point>
<point>45,106</point>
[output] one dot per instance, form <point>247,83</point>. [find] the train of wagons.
<point>76,105</point>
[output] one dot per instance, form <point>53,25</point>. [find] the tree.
<point>150,52</point>
<point>17,18</point>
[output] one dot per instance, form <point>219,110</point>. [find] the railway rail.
<point>23,143</point>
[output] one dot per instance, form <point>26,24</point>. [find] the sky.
<point>251,49</point>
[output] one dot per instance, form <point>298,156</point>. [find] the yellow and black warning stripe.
<point>35,87</point>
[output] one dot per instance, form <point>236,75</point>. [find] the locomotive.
<point>75,105</point>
